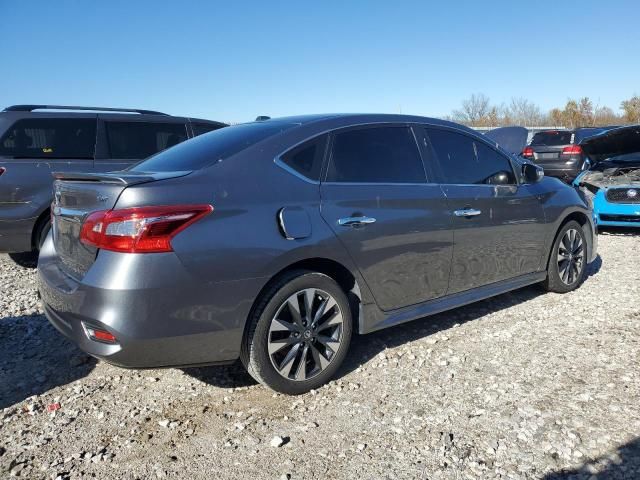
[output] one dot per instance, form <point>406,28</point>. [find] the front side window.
<point>376,155</point>
<point>62,138</point>
<point>466,161</point>
<point>306,159</point>
<point>138,140</point>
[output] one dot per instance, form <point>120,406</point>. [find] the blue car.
<point>612,179</point>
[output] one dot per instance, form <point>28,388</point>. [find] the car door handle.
<point>355,221</point>
<point>467,212</point>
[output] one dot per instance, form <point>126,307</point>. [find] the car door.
<point>127,140</point>
<point>499,225</point>
<point>31,149</point>
<point>378,200</point>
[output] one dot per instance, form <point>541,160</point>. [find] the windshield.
<point>552,138</point>
<point>206,149</point>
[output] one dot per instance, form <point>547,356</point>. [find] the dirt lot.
<point>525,385</point>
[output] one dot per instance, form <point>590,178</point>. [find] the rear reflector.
<point>572,150</point>
<point>527,152</point>
<point>139,229</point>
<point>99,335</point>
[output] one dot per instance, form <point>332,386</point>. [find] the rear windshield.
<point>63,138</point>
<point>552,138</point>
<point>208,148</point>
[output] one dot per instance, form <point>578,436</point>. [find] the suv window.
<point>138,140</point>
<point>200,128</point>
<point>306,159</point>
<point>552,138</point>
<point>466,161</point>
<point>376,155</point>
<point>72,138</point>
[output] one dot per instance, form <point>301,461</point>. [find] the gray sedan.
<point>274,241</point>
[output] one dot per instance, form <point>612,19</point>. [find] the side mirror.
<point>532,173</point>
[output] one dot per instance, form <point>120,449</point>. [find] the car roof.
<point>66,111</point>
<point>342,119</point>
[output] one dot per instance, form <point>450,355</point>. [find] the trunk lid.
<point>511,139</point>
<point>75,196</point>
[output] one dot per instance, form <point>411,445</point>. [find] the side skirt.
<point>376,319</point>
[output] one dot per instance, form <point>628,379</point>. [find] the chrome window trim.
<point>278,158</point>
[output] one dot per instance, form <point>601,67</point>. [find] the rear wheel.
<point>299,333</point>
<point>30,259</point>
<point>568,259</point>
<point>25,259</point>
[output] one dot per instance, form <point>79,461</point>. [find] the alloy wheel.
<point>305,334</point>
<point>570,256</point>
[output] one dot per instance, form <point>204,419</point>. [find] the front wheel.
<point>568,259</point>
<point>299,333</point>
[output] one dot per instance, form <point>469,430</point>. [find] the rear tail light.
<point>139,229</point>
<point>572,150</point>
<point>527,152</point>
<point>99,335</point>
<point>2,170</point>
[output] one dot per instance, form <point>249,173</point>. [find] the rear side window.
<point>205,150</point>
<point>466,161</point>
<point>200,128</point>
<point>376,155</point>
<point>64,138</point>
<point>306,159</point>
<point>138,140</point>
<point>552,138</point>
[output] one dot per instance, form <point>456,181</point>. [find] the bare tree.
<point>474,110</point>
<point>585,108</point>
<point>605,116</point>
<point>523,112</point>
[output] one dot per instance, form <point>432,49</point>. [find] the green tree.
<point>631,109</point>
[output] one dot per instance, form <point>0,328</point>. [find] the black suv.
<point>36,140</point>
<point>559,152</point>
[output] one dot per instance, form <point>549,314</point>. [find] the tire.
<point>25,259</point>
<point>567,260</point>
<point>277,340</point>
<point>42,231</point>
<point>30,259</point>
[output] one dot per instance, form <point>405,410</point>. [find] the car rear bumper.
<point>561,170</point>
<point>166,319</point>
<point>16,235</point>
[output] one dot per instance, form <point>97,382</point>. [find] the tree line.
<point>477,111</point>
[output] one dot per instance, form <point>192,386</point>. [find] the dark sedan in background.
<point>274,241</point>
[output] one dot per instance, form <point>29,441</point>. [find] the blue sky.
<point>235,60</point>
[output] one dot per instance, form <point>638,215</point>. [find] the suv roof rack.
<point>30,108</point>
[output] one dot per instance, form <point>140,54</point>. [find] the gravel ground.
<point>525,385</point>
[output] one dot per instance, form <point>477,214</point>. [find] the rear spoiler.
<point>120,178</point>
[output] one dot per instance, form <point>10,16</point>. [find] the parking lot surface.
<point>524,385</point>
